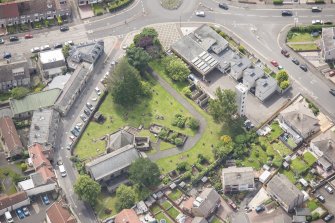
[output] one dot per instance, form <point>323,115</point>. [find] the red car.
<point>274,63</point>
<point>285,53</point>
<point>28,36</point>
<point>332,73</point>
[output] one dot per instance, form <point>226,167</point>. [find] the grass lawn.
<point>302,37</point>
<point>4,96</point>
<point>173,212</point>
<point>304,47</point>
<point>165,145</point>
<point>312,205</point>
<point>290,142</point>
<point>161,215</point>
<point>281,148</point>
<point>175,194</point>
<point>166,205</point>
<point>216,220</point>
<point>289,174</point>
<point>105,202</point>
<point>211,136</point>
<point>309,158</point>
<point>257,158</point>
<point>144,113</point>
<point>276,131</point>
<point>155,209</point>
<point>298,165</point>
<point>267,70</point>
<point>98,9</point>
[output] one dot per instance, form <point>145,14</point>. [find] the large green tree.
<point>125,197</point>
<point>144,172</point>
<point>224,106</point>
<point>282,76</point>
<point>87,189</point>
<point>223,149</point>
<point>176,68</point>
<point>138,58</point>
<point>125,84</point>
<point>19,92</point>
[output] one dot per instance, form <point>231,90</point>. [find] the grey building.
<point>328,44</point>
<point>43,127</point>
<point>265,87</point>
<point>285,192</point>
<point>206,203</point>
<point>14,74</point>
<point>52,63</point>
<point>199,220</point>
<point>251,75</point>
<point>236,179</point>
<point>119,139</point>
<point>238,65</point>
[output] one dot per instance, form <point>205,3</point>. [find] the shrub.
<point>202,159</point>
<point>146,89</point>
<point>192,123</point>
<point>187,175</point>
<point>119,4</point>
<point>179,121</point>
<point>163,134</point>
<point>315,216</point>
<point>187,91</point>
<point>285,84</point>
<point>278,2</point>
<point>178,141</point>
<point>241,49</point>
<point>172,137</point>
<point>183,166</point>
<point>24,167</point>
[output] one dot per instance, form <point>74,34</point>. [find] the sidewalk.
<point>267,4</point>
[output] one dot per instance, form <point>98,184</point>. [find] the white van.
<point>8,216</point>
<point>62,170</point>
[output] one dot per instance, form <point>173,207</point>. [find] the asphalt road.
<point>258,29</point>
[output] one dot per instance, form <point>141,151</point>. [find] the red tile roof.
<point>9,10</point>
<point>8,201</point>
<point>188,204</point>
<point>46,173</point>
<point>57,213</point>
<point>9,133</point>
<point>127,216</point>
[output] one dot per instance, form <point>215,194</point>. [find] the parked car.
<point>274,63</point>
<point>45,47</point>
<point>70,42</point>
<point>35,50</point>
<point>328,217</point>
<point>72,137</point>
<point>317,22</point>
<point>58,45</point>
<point>26,211</point>
<point>89,106</point>
<point>286,13</point>
<point>45,199</point>
<point>280,67</point>
<point>2,41</point>
<point>328,23</point>
<point>332,91</point>
<point>260,209</point>
<point>64,28</point>
<point>79,124</point>
<point>83,117</point>
<point>7,55</point>
<point>223,6</point>
<point>329,189</point>
<point>94,99</point>
<point>316,9</point>
<point>20,213</point>
<point>28,36</point>
<point>75,132</point>
<point>303,67</point>
<point>77,128</point>
<point>200,13</point>
<point>232,205</point>
<point>13,38</point>
<point>87,112</point>
<point>321,198</point>
<point>296,61</point>
<point>332,73</point>
<point>98,91</point>
<point>285,53</point>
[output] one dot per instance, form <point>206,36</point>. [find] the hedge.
<point>309,29</point>
<point>277,2</point>
<point>118,5</point>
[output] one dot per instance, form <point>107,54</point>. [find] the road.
<point>258,28</point>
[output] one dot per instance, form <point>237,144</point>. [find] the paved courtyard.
<point>168,34</point>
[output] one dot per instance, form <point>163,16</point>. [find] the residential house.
<point>13,202</point>
<point>88,2</point>
<point>24,108</point>
<point>324,147</point>
<point>285,193</point>
<point>238,179</point>
<point>10,139</point>
<point>14,73</point>
<point>36,184</point>
<point>299,119</point>
<point>238,65</point>
<point>328,44</point>
<point>52,63</point>
<point>206,203</point>
<point>59,212</point>
<point>29,11</point>
<point>127,215</point>
<point>43,128</point>
<point>251,75</point>
<point>265,87</point>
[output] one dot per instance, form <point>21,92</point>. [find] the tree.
<point>176,68</point>
<point>138,58</point>
<point>65,51</point>
<point>125,85</point>
<point>125,197</point>
<point>146,89</point>
<point>19,92</point>
<point>187,91</point>
<point>87,189</point>
<point>222,150</point>
<point>192,123</point>
<point>144,172</point>
<point>282,76</point>
<point>224,106</point>
<point>284,84</point>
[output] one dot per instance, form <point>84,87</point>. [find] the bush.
<point>172,137</point>
<point>179,121</point>
<point>186,176</point>
<point>187,92</point>
<point>192,123</point>
<point>178,141</point>
<point>19,92</point>
<point>163,134</point>
<point>202,159</point>
<point>278,2</point>
<point>183,166</point>
<point>315,216</point>
<point>24,167</point>
<point>285,84</point>
<point>146,89</point>
<point>118,5</point>
<point>241,49</point>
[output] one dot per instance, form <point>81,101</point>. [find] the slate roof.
<point>88,52</point>
<point>237,175</point>
<point>9,10</point>
<point>112,162</point>
<point>8,201</point>
<point>210,198</point>
<point>120,139</point>
<point>283,189</point>
<point>9,135</point>
<point>328,35</point>
<point>36,6</point>
<point>6,69</point>
<point>326,144</point>
<point>127,216</point>
<point>199,220</point>
<point>265,83</point>
<point>32,102</point>
<point>58,213</point>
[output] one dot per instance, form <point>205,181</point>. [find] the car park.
<point>13,38</point>
<point>2,41</point>
<point>7,55</point>
<point>8,216</point>
<point>287,13</point>
<point>26,211</point>
<point>329,189</point>
<point>303,67</point>
<point>35,50</point>
<point>332,92</point>
<point>45,199</point>
<point>200,13</point>
<point>285,53</point>
<point>321,198</point>
<point>260,209</point>
<point>316,9</point>
<point>28,36</point>
<point>223,6</point>
<point>45,47</point>
<point>328,217</point>
<point>295,61</point>
<point>20,213</point>
<point>274,63</point>
<point>98,91</point>
<point>58,45</point>
<point>79,124</point>
<point>64,28</point>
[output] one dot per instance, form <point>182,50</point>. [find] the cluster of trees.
<point>148,41</point>
<point>19,92</point>
<point>175,68</point>
<point>87,189</point>
<point>282,79</point>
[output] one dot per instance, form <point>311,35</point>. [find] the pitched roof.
<point>7,201</point>
<point>112,162</point>
<point>9,134</point>
<point>37,6</point>
<point>37,156</point>
<point>282,188</point>
<point>34,101</point>
<point>9,69</point>
<point>9,10</point>
<point>120,139</point>
<point>237,175</point>
<point>301,117</point>
<point>199,220</point>
<point>209,198</point>
<point>326,144</point>
<point>127,216</point>
<point>328,35</point>
<point>47,173</point>
<point>58,213</point>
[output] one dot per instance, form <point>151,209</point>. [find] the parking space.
<point>329,200</point>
